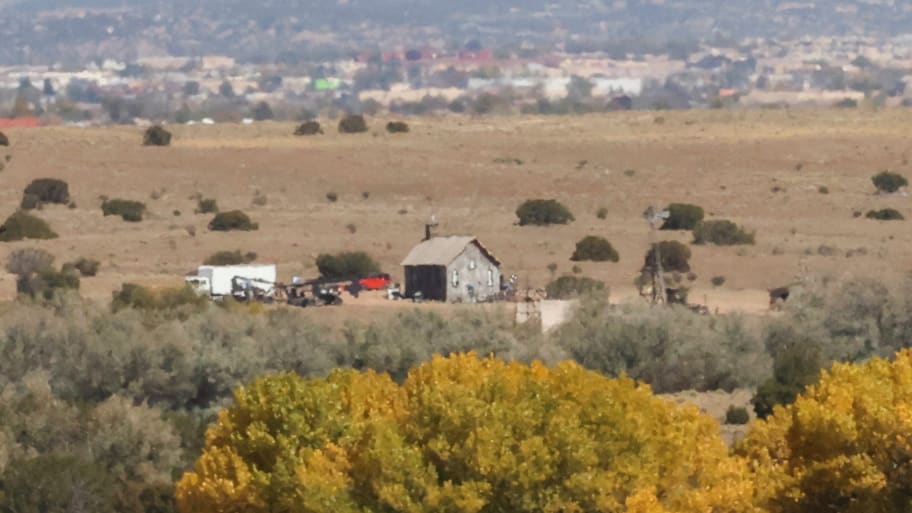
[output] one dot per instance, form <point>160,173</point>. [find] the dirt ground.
<point>760,168</point>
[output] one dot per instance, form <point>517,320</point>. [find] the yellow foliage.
<point>463,435</point>
<point>845,445</point>
<point>220,483</point>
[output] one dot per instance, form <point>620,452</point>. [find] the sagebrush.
<point>353,124</point>
<point>230,258</point>
<point>232,220</point>
<point>156,136</point>
<point>309,128</point>
<point>542,212</point>
<point>885,214</point>
<point>889,182</point>
<point>568,287</point>
<point>682,216</point>
<point>21,225</point>
<point>397,127</point>
<point>721,232</point>
<point>128,210</point>
<point>595,249</point>
<point>45,190</point>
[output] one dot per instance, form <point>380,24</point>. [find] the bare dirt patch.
<point>728,162</point>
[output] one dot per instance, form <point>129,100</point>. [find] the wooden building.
<point>452,269</point>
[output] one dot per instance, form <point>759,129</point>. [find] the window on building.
<point>455,278</point>
<point>472,265</point>
<point>490,277</point>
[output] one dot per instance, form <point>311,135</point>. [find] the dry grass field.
<point>473,173</point>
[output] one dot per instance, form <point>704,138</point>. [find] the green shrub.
<point>542,212</point>
<point>675,257</point>
<point>353,124</point>
<point>602,213</point>
<point>84,266</point>
<point>736,415</point>
<point>885,214</point>
<point>4,140</point>
<point>135,296</point>
<point>795,366</point>
<point>682,216</point>
<point>156,136</point>
<point>30,202</point>
<point>823,189</point>
<point>397,127</point>
<point>22,225</point>
<point>232,220</point>
<point>46,283</point>
<point>138,297</point>
<point>207,206</point>
<point>846,103</point>
<point>45,190</point>
<point>596,249</point>
<point>309,128</point>
<point>567,287</point>
<point>128,210</point>
<point>717,281</point>
<point>721,233</point>
<point>230,258</point>
<point>889,182</point>
<point>346,265</point>
<point>332,197</point>
<point>170,298</point>
<point>772,393</point>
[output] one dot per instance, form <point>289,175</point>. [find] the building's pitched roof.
<point>442,251</point>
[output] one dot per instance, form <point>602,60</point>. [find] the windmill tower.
<point>659,292</point>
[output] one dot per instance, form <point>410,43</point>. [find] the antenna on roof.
<point>427,227</point>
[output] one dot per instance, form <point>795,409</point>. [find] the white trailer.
<point>218,281</point>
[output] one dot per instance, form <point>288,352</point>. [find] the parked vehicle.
<point>240,281</point>
<point>376,282</point>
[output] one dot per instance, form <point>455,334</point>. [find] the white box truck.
<point>219,281</point>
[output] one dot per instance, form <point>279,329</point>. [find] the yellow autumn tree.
<point>462,434</point>
<point>844,445</point>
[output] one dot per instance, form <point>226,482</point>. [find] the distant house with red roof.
<point>23,122</point>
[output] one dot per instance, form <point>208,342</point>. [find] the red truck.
<point>376,282</point>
